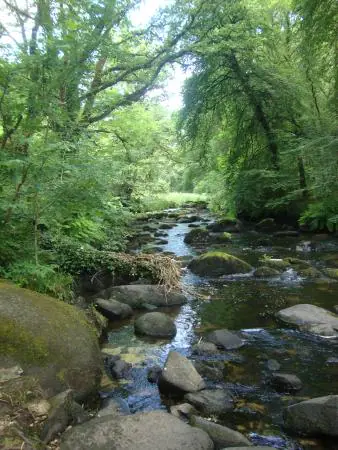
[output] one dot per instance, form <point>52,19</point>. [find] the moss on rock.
<point>218,264</point>
<point>331,273</point>
<point>48,339</point>
<point>265,271</point>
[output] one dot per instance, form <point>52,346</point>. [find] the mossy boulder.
<point>297,264</point>
<point>225,224</point>
<point>50,340</point>
<point>217,264</point>
<point>265,271</point>
<point>197,236</point>
<point>274,263</point>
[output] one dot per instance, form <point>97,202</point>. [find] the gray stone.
<point>155,324</point>
<point>197,236</point>
<point>318,416</point>
<point>220,435</point>
<point>183,411</point>
<point>137,295</point>
<point>179,375</point>
<point>286,382</point>
<point>211,401</point>
<point>311,318</point>
<point>225,339</point>
<point>114,406</point>
<point>113,309</point>
<point>205,348</point>
<point>147,431</point>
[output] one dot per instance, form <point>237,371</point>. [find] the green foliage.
<point>46,279</point>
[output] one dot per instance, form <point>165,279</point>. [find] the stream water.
<point>245,304</point>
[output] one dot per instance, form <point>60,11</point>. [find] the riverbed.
<point>247,305</point>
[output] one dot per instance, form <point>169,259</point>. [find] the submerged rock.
<point>113,309</point>
<point>138,295</point>
<point>153,374</point>
<point>212,370</point>
<point>205,348</point>
<point>286,382</point>
<point>179,375</point>
<point>311,318</point>
<point>155,324</point>
<point>147,431</point>
<point>50,340</point>
<point>211,401</point>
<point>217,264</point>
<point>318,416</point>
<point>225,339</point>
<point>220,435</point>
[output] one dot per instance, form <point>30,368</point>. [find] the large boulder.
<point>318,416</point>
<point>49,340</point>
<point>147,431</point>
<point>211,401</point>
<point>225,339</point>
<point>155,324</point>
<point>220,435</point>
<point>136,295</point>
<point>179,375</point>
<point>113,309</point>
<point>311,318</point>
<point>216,264</point>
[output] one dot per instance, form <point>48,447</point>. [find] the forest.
<point>84,147</point>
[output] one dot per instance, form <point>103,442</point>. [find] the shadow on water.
<point>247,305</point>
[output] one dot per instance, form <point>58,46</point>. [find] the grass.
<point>171,200</point>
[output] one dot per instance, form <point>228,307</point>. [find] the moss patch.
<point>217,264</point>
<point>332,273</point>
<point>48,337</point>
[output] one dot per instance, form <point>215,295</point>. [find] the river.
<point>246,304</point>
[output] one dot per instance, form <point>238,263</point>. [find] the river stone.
<point>184,410</point>
<point>139,294</point>
<point>220,435</point>
<point>155,324</point>
<point>216,264</point>
<point>113,309</point>
<point>286,382</point>
<point>147,431</point>
<point>255,448</point>
<point>286,233</point>
<point>50,340</point>
<point>266,271</point>
<point>331,273</point>
<point>226,224</point>
<point>153,374</point>
<point>318,416</point>
<point>311,318</point>
<point>114,406</point>
<point>212,370</point>
<point>179,375</point>
<point>205,348</point>
<point>197,236</point>
<point>211,401</point>
<point>225,339</point>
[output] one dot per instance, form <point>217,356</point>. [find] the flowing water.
<point>246,304</point>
